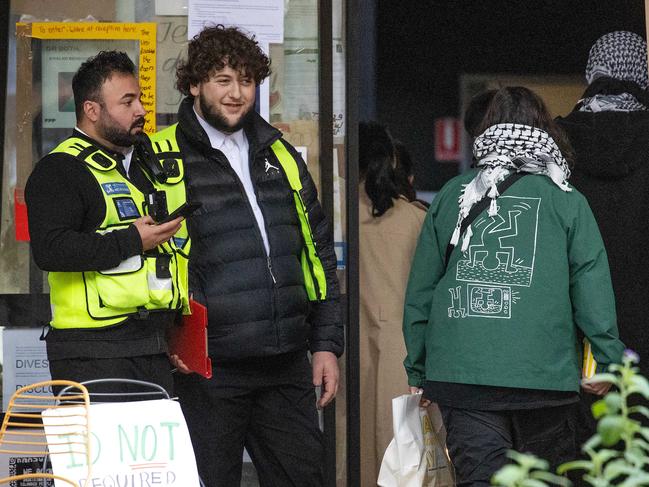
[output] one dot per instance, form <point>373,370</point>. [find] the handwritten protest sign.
<point>132,444</point>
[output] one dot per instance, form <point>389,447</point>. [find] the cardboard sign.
<point>131,443</point>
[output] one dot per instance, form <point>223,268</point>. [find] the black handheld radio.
<point>147,160</point>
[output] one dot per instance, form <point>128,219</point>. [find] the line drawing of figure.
<point>497,228</point>
<point>500,252</point>
<point>456,310</point>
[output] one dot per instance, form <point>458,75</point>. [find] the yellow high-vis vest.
<point>154,281</point>
<point>166,147</point>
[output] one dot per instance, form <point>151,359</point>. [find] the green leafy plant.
<point>527,471</point>
<point>618,454</point>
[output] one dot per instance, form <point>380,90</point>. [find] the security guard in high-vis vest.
<point>153,281</point>
<point>263,262</point>
<point>117,276</point>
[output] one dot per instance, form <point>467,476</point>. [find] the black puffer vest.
<point>257,304</point>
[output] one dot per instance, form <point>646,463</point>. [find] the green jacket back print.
<point>506,311</point>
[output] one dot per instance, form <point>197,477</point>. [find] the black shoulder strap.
<point>480,206</point>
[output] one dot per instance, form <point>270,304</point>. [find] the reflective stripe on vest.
<point>166,147</point>
<point>138,284</point>
<point>314,275</point>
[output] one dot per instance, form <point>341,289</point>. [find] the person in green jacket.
<point>492,335</point>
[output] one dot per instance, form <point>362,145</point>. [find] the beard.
<point>216,119</point>
<point>110,130</point>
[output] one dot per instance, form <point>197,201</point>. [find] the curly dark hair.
<point>216,47</point>
<point>91,75</point>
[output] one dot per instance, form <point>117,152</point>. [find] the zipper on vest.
<point>270,269</point>
<point>273,303</point>
<point>251,162</point>
<point>232,172</point>
<point>269,261</point>
<point>260,239</point>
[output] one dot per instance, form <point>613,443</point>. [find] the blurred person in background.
<point>609,131</point>
<point>405,176</point>
<point>389,226</point>
<point>403,172</point>
<point>474,114</point>
<point>476,110</point>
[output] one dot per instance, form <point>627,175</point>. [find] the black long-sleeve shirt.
<point>65,206</point>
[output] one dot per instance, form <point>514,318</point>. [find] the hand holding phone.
<point>184,211</point>
<point>153,234</point>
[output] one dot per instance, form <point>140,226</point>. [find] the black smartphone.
<point>184,211</point>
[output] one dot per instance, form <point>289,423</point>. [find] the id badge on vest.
<point>126,208</point>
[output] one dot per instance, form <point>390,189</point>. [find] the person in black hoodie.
<point>609,131</point>
<point>263,262</point>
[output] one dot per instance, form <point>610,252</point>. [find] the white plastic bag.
<point>415,457</point>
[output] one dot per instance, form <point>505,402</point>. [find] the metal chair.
<point>23,433</point>
<point>149,391</point>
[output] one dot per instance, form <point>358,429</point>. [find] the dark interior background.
<point>422,47</point>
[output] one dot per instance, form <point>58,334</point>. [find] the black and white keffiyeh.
<point>619,55</point>
<point>623,102</point>
<point>501,150</point>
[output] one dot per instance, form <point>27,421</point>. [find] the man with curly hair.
<point>262,261</point>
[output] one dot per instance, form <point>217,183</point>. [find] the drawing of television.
<point>489,301</point>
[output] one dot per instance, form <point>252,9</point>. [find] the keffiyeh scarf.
<point>620,55</point>
<point>501,150</point>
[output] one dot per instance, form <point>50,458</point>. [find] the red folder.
<point>189,340</point>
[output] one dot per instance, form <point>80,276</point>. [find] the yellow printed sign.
<point>144,32</point>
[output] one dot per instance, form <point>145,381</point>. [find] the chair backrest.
<point>23,434</point>
<point>119,390</point>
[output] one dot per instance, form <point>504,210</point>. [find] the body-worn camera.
<point>157,203</point>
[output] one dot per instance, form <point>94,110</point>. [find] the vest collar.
<point>77,132</point>
<point>103,159</point>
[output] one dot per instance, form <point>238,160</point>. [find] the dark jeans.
<point>478,441</point>
<point>150,368</point>
<point>266,405</point>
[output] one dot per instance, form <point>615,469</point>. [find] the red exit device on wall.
<point>447,139</point>
<point>20,215</point>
